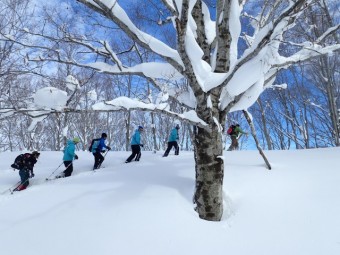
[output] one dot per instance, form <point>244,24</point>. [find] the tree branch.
<point>116,14</point>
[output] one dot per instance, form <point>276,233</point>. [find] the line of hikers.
<point>25,162</point>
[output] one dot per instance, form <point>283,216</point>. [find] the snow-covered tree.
<point>225,67</point>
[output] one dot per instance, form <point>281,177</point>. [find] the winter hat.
<point>140,127</point>
<point>104,135</point>
<point>76,140</point>
<point>36,153</point>
<point>177,126</point>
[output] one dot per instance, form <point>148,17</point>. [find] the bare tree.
<point>205,55</point>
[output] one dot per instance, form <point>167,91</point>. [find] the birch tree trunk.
<point>209,174</point>
<point>209,165</point>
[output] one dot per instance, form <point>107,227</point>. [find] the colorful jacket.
<point>69,151</point>
<point>173,135</point>
<point>27,162</point>
<point>237,132</point>
<point>135,140</point>
<point>99,145</point>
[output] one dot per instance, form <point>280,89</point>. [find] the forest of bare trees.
<point>41,46</point>
<point>303,113</point>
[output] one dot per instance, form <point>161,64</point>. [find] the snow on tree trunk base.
<point>208,195</point>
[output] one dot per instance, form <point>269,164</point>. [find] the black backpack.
<point>94,142</point>
<point>19,162</point>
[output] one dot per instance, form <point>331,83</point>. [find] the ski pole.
<point>103,159</point>
<point>54,171</point>
<point>17,186</point>
<point>48,179</point>
<point>12,187</point>
<point>63,170</point>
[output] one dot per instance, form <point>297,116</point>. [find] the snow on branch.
<point>329,31</point>
<point>151,69</point>
<point>306,53</point>
<point>111,106</point>
<point>125,103</point>
<point>243,84</point>
<point>184,98</point>
<point>273,30</point>
<point>118,15</point>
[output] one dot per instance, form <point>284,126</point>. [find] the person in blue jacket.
<point>97,149</point>
<point>172,142</point>
<point>69,156</point>
<point>135,146</point>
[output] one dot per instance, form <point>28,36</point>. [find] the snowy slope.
<point>146,207</point>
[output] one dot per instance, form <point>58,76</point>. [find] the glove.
<point>103,151</point>
<point>108,147</point>
<point>141,145</point>
<point>75,157</point>
<point>32,175</point>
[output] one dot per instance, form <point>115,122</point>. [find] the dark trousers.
<point>170,145</point>
<point>234,143</point>
<point>69,168</point>
<point>24,176</point>
<point>135,153</point>
<point>98,160</point>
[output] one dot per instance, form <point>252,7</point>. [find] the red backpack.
<point>231,130</point>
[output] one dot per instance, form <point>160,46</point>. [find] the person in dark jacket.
<point>25,165</point>
<point>69,156</point>
<point>135,145</point>
<point>97,150</point>
<point>172,142</point>
<point>235,135</point>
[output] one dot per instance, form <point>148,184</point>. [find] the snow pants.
<point>24,176</point>
<point>69,168</point>
<point>234,143</point>
<point>170,145</point>
<point>98,160</point>
<point>135,153</point>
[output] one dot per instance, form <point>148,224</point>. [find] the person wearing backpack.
<point>135,145</point>
<point>235,135</point>
<point>25,163</point>
<point>69,156</point>
<point>97,148</point>
<point>172,142</point>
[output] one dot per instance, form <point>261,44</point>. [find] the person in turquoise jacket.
<point>69,156</point>
<point>172,142</point>
<point>135,145</point>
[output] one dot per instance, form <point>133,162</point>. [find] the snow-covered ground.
<point>146,207</point>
